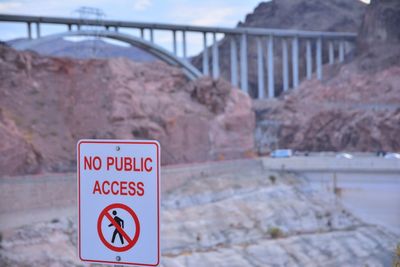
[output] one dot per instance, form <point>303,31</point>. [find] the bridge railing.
<point>335,41</point>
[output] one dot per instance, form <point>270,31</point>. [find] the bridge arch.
<point>190,71</point>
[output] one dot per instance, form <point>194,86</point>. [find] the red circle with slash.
<point>131,241</point>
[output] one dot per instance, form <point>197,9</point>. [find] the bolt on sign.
<point>119,202</point>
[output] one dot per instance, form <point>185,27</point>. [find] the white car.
<point>392,156</point>
<point>282,153</point>
<point>344,156</point>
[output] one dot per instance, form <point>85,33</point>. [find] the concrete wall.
<point>45,197</point>
<point>332,164</point>
<point>60,190</point>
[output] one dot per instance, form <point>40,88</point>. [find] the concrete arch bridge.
<point>336,44</point>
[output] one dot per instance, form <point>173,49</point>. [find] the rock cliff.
<point>356,109</point>
<point>48,104</point>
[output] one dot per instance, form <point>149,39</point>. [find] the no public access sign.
<point>119,202</point>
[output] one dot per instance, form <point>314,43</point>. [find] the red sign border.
<point>133,142</point>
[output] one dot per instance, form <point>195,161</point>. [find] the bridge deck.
<point>174,27</point>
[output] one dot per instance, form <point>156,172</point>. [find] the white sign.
<point>119,202</point>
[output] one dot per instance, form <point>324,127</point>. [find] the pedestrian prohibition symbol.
<point>119,229</point>
<point>119,202</point>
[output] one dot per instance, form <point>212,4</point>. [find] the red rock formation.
<point>358,109</point>
<point>51,103</point>
<point>380,26</point>
<point>17,155</point>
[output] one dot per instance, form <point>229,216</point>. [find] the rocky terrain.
<point>47,104</point>
<point>312,15</point>
<point>355,108</point>
<point>347,113</point>
<point>246,216</point>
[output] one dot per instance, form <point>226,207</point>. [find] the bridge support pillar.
<point>341,51</point>
<point>38,30</point>
<point>285,65</point>
<point>271,80</point>
<point>142,33</point>
<point>319,59</point>
<point>206,71</point>
<point>29,30</point>
<point>184,44</point>
<point>260,68</point>
<point>151,35</point>
<point>331,53</point>
<point>174,45</point>
<point>308,59</point>
<point>347,48</point>
<point>243,63</point>
<point>69,27</point>
<point>215,59</point>
<point>234,66</point>
<point>295,61</point>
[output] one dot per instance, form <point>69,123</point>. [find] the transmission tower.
<point>85,15</point>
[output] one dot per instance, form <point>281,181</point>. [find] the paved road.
<point>373,197</point>
<point>368,186</point>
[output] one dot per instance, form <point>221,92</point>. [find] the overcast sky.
<point>204,12</point>
<point>194,12</point>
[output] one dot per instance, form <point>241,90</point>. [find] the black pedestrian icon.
<point>128,239</point>
<point>120,222</point>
